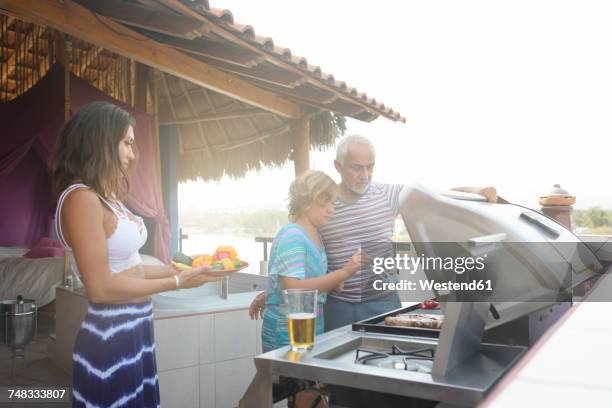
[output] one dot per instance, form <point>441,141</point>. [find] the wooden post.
<point>155,102</point>
<point>140,86</point>
<point>67,63</point>
<point>62,50</point>
<point>300,139</point>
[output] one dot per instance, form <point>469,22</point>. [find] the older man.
<point>364,216</point>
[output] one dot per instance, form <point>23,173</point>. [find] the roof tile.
<point>267,44</point>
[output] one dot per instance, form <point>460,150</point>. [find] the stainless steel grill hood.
<point>531,257</point>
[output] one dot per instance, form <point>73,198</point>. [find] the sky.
<point>517,95</point>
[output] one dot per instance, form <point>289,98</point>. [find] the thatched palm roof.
<point>247,139</point>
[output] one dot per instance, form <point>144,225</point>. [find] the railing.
<point>263,265</point>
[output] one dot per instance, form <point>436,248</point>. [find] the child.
<point>297,256</point>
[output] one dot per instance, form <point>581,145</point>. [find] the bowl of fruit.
<point>224,261</point>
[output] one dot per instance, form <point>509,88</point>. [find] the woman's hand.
<point>172,269</point>
<point>194,277</point>
<point>258,305</point>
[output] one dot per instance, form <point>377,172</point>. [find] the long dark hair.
<point>87,150</point>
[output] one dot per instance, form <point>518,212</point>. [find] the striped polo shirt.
<point>367,224</point>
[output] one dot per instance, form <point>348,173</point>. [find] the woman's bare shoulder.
<point>83,200</point>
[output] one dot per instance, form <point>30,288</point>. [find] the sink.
<point>238,283</point>
<point>210,295</point>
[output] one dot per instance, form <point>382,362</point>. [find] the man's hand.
<point>258,305</point>
<point>490,193</point>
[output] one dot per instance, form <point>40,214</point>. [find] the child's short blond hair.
<point>309,187</point>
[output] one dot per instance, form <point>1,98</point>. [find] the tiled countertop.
<point>570,366</point>
<point>166,307</point>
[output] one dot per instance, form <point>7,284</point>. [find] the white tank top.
<point>123,244</point>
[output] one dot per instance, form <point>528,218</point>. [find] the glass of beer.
<point>301,314</point>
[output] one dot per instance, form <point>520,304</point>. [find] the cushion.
<point>44,252</point>
<point>48,242</point>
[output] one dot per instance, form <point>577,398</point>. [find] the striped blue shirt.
<point>295,255</point>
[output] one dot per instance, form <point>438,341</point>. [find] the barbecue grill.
<point>536,265</point>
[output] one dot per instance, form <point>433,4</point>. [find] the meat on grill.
<point>425,321</point>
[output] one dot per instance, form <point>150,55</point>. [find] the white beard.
<point>356,191</point>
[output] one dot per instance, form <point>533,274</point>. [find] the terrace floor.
<point>36,368</point>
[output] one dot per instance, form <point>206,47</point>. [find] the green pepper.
<point>217,265</point>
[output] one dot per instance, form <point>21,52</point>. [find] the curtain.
<point>29,127</point>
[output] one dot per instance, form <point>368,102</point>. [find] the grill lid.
<point>532,260</point>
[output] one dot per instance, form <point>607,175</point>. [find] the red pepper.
<point>429,304</point>
<point>220,255</point>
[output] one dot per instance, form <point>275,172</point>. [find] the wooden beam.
<point>173,110</point>
<point>79,22</point>
<point>193,111</point>
<point>259,138</point>
<point>299,93</point>
<point>213,108</point>
<point>245,142</point>
<point>167,23</point>
<point>215,50</point>
<point>300,139</point>
<point>265,73</point>
<point>210,117</point>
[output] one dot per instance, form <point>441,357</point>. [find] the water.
<point>200,243</point>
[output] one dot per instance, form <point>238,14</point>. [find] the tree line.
<point>594,220</point>
<point>255,222</point>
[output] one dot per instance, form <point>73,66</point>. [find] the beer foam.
<point>301,316</point>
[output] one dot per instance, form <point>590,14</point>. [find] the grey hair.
<point>343,145</point>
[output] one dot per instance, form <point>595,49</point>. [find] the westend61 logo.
<point>459,265</point>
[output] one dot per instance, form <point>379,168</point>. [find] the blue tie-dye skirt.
<point>114,358</point>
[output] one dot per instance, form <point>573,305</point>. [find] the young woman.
<point>297,256</point>
<point>114,353</point>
